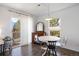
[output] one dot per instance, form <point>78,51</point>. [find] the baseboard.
<point>70,49</point>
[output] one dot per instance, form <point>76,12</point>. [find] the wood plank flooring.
<point>35,50</point>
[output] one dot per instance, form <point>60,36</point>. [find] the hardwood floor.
<point>31,50</point>
<point>67,52</point>
<point>35,50</point>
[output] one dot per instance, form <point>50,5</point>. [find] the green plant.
<point>54,22</point>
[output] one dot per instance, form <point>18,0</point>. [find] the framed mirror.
<point>40,26</point>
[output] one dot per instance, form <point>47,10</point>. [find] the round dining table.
<point>49,38</point>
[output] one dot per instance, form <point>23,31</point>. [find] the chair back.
<point>51,44</point>
<point>8,42</point>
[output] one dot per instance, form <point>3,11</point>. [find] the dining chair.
<point>52,48</point>
<point>44,49</point>
<point>1,50</point>
<point>8,42</point>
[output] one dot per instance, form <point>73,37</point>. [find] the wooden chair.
<point>52,47</point>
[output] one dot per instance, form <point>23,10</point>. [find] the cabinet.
<point>38,33</point>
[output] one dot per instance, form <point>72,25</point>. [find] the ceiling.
<point>34,9</point>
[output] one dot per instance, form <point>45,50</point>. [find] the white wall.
<point>7,25</point>
<point>30,29</point>
<point>26,29</point>
<point>69,24</point>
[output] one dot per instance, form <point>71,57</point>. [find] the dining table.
<point>46,39</point>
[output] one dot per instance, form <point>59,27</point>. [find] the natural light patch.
<point>48,19</point>
<point>14,20</point>
<point>55,26</point>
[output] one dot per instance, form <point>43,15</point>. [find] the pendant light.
<point>48,12</point>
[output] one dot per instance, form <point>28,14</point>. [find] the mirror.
<point>40,26</point>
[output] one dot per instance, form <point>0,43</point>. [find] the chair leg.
<point>1,50</point>
<point>10,51</point>
<point>48,53</point>
<point>54,53</point>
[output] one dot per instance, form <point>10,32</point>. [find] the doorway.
<point>16,34</point>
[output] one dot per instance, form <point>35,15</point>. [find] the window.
<point>55,27</point>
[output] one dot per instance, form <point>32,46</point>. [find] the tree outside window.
<point>55,28</point>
